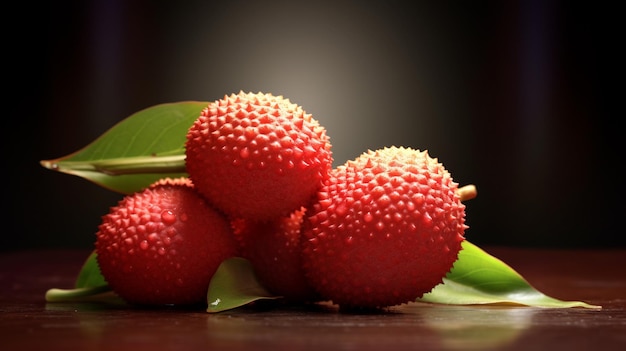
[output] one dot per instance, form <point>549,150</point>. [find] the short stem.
<point>62,295</point>
<point>467,192</point>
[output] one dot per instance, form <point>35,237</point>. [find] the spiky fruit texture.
<point>386,229</point>
<point>257,156</point>
<point>162,245</point>
<point>275,250</point>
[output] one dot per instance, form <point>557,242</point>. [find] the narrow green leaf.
<point>139,150</point>
<point>479,278</point>
<point>233,285</point>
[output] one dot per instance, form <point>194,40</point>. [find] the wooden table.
<point>594,276</point>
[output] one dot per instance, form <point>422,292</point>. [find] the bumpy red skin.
<point>275,250</point>
<point>257,156</point>
<point>162,246</point>
<point>386,229</point>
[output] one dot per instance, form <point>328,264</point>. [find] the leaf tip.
<point>50,164</point>
<point>588,305</point>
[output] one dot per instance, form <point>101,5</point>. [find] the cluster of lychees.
<point>377,231</point>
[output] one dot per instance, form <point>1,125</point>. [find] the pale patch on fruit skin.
<point>257,156</point>
<point>162,245</point>
<point>386,228</point>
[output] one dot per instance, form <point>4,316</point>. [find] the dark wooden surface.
<point>594,276</point>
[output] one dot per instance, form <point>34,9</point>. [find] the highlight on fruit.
<point>228,202</point>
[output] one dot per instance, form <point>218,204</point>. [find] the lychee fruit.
<point>257,156</point>
<point>162,245</point>
<point>386,228</point>
<point>275,250</point>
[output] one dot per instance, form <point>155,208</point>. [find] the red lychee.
<point>387,227</point>
<point>275,250</point>
<point>257,156</point>
<point>161,246</point>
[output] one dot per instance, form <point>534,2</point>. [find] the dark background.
<point>518,98</point>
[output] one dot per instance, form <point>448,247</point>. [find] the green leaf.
<point>233,285</point>
<point>479,278</point>
<point>144,147</point>
<point>89,283</point>
<point>90,275</point>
